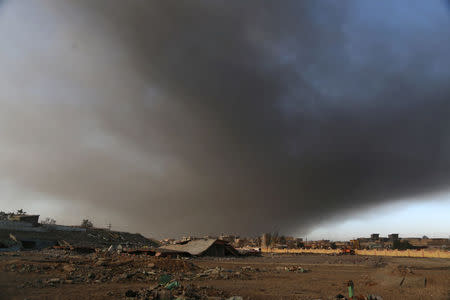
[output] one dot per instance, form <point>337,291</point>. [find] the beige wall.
<point>293,251</point>
<point>404,253</point>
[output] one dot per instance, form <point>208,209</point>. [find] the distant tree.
<point>269,240</point>
<point>402,245</point>
<point>258,241</point>
<point>86,223</point>
<point>275,239</point>
<point>299,244</point>
<point>425,237</point>
<point>20,212</point>
<point>333,245</point>
<point>282,240</point>
<point>48,221</point>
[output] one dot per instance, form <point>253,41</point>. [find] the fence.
<point>383,252</point>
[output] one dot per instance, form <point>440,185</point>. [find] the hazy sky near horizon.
<point>409,218</point>
<point>179,117</point>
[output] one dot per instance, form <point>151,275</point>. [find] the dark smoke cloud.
<point>226,116</point>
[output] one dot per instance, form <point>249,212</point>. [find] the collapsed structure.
<point>203,247</point>
<point>24,232</point>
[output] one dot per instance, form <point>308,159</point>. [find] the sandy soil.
<point>56,275</point>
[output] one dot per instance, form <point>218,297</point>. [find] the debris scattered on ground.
<point>221,273</point>
<point>140,276</point>
<point>165,279</point>
<point>402,270</point>
<point>178,291</point>
<point>94,267</point>
<point>297,269</point>
<point>172,285</point>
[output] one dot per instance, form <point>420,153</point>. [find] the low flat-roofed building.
<point>32,219</point>
<point>393,236</point>
<point>374,236</point>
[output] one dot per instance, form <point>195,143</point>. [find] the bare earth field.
<point>55,274</point>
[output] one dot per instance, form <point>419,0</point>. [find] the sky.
<point>408,218</point>
<point>178,117</point>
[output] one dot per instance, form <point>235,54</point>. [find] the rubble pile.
<point>71,269</point>
<point>64,267</point>
<point>165,278</point>
<point>173,265</point>
<point>102,238</point>
<point>89,238</point>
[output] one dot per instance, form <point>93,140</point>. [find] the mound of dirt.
<point>171,265</point>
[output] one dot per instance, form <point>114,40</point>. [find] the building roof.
<point>194,247</point>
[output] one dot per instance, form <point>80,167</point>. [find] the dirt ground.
<point>55,274</point>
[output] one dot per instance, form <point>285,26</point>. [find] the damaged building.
<point>203,247</point>
<point>23,232</point>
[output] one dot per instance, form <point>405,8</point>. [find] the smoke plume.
<point>225,116</point>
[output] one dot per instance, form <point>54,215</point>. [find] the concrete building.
<point>374,236</point>
<point>393,236</point>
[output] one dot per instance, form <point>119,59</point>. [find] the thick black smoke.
<point>228,116</point>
